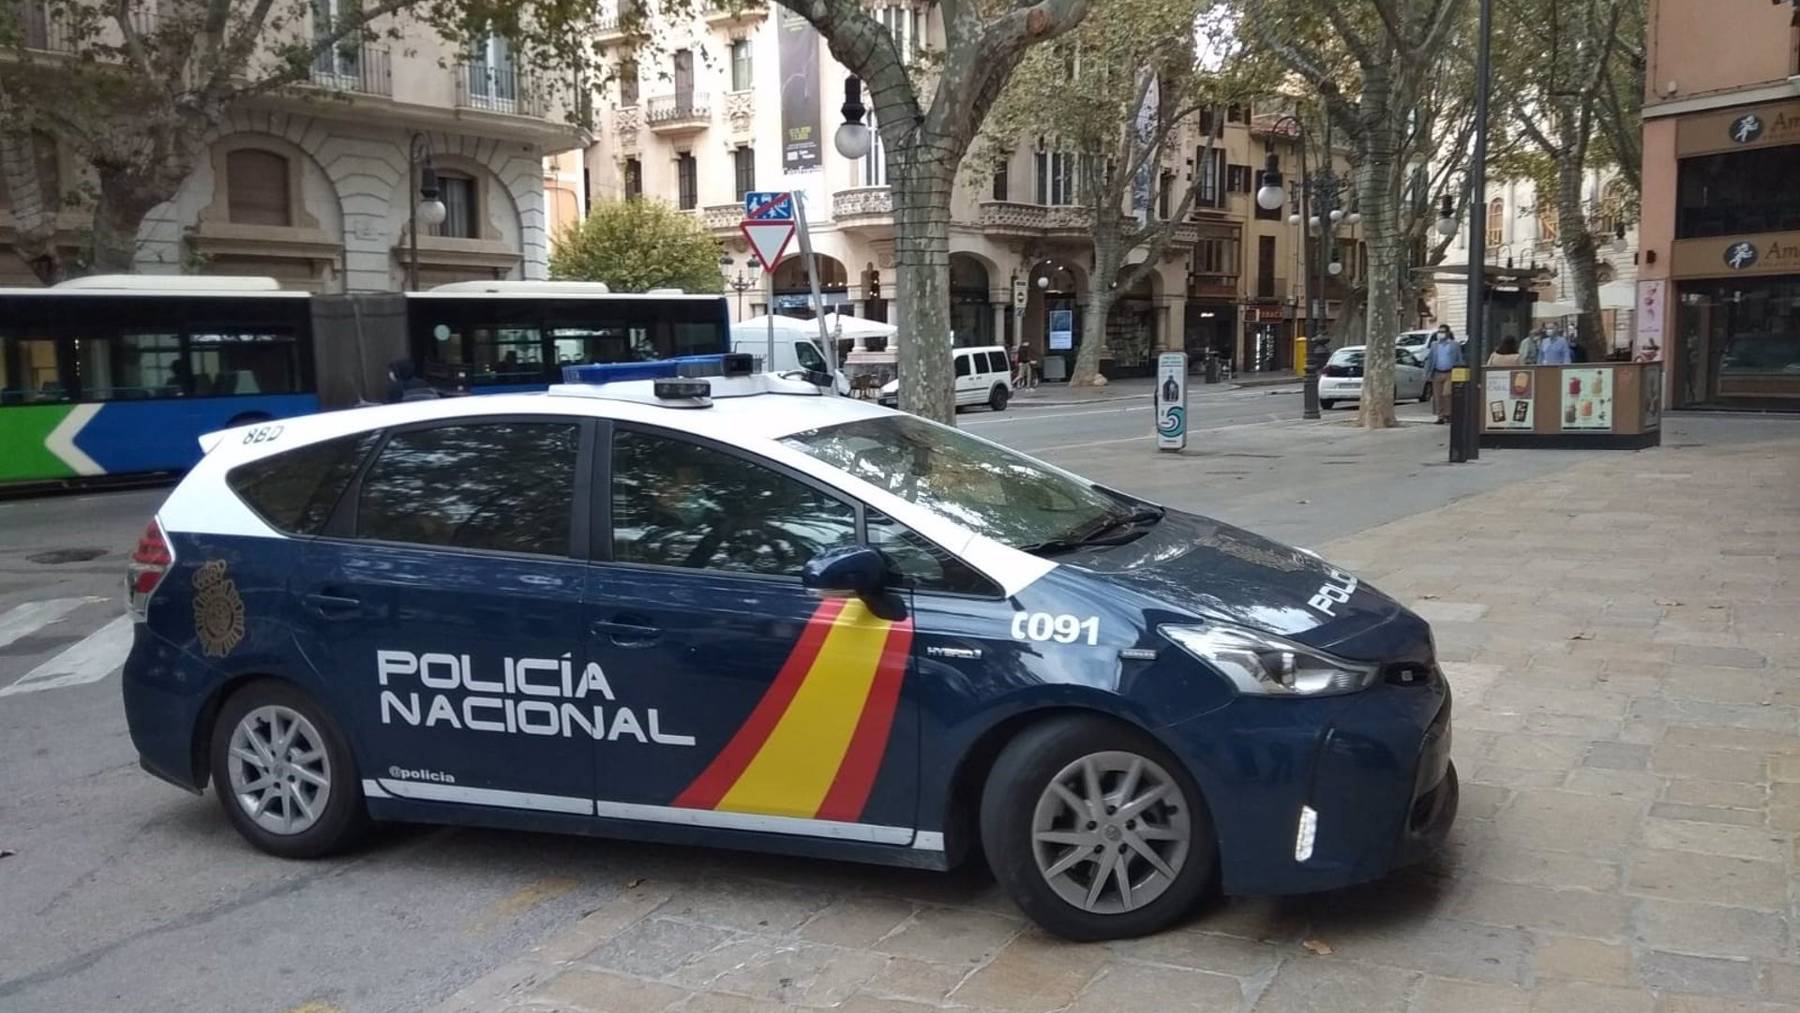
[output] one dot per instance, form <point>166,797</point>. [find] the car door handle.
<point>333,606</point>
<point>628,631</point>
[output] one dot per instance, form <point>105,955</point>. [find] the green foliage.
<point>637,245</point>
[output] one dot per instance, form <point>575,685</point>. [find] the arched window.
<point>257,188</point>
<point>1496,222</point>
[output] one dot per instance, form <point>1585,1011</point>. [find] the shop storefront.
<point>1735,261</point>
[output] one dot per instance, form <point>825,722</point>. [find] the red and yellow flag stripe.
<point>814,742</point>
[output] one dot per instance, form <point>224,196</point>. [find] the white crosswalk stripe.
<point>24,620</point>
<point>90,659</point>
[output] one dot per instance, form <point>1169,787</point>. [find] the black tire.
<point>1425,395</point>
<point>997,400</point>
<point>1009,804</point>
<point>344,819</point>
<point>1325,404</point>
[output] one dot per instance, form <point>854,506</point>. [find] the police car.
<point>735,610</point>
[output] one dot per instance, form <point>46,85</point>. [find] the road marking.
<point>24,620</point>
<point>523,900</point>
<point>91,659</point>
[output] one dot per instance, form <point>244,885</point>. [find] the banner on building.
<point>799,66</point>
<point>1646,341</point>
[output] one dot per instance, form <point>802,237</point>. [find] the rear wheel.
<point>997,400</point>
<point>1425,392</point>
<point>1326,403</point>
<point>1095,830</point>
<point>284,774</point>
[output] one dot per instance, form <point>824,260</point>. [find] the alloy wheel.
<point>279,769</point>
<point>1111,832</point>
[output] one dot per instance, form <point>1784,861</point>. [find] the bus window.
<point>701,338</point>
<point>261,361</point>
<point>28,373</point>
<point>507,355</point>
<point>132,367</point>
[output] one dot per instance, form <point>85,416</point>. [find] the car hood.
<point>1195,564</point>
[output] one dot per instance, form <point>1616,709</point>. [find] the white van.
<point>983,376</point>
<point>792,352</point>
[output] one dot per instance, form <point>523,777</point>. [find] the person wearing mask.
<point>1507,355</point>
<point>1532,348</point>
<point>1555,350</point>
<point>405,384</point>
<point>1442,356</point>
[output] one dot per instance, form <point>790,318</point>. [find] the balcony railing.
<point>498,89</point>
<point>46,31</point>
<point>863,207</point>
<point>683,110</point>
<point>722,219</point>
<point>363,70</point>
<point>731,10</point>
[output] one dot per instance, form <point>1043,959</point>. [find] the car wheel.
<point>284,774</point>
<point>1095,830</point>
<point>997,400</point>
<point>1325,403</point>
<point>1425,393</point>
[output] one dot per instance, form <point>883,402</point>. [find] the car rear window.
<point>295,491</point>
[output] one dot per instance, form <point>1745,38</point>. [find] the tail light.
<point>149,564</point>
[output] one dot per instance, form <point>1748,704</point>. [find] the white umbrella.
<point>858,328</point>
<point>1553,310</point>
<point>1618,295</point>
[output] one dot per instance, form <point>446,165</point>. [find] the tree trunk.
<point>1581,257</point>
<point>124,200</point>
<point>1381,232</point>
<point>921,178</point>
<point>1099,305</point>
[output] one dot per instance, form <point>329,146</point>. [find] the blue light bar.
<point>657,369</point>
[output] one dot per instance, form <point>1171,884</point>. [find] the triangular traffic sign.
<point>768,239</point>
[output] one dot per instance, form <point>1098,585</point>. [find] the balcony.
<point>355,69</point>
<point>863,209</point>
<point>1018,220</point>
<point>734,12</point>
<point>680,113</point>
<point>44,29</point>
<point>613,21</point>
<point>1214,285</point>
<point>498,89</point>
<point>722,220</point>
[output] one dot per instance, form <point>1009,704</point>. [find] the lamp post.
<point>853,138</point>
<point>741,283</point>
<point>1318,210</point>
<point>424,205</point>
<point>1465,431</point>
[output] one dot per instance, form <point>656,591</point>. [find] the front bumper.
<point>1374,766</point>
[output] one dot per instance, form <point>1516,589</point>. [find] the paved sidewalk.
<point>1061,395</point>
<point>1623,644</point>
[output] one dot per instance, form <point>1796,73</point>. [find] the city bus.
<point>117,377</point>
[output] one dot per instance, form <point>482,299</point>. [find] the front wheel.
<point>1325,404</point>
<point>1095,830</point>
<point>997,400</point>
<point>284,774</point>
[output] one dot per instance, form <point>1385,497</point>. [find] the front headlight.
<point>1267,665</point>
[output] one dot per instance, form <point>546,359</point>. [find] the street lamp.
<point>853,138</point>
<point>1446,223</point>
<point>424,204</point>
<point>741,283</point>
<point>1465,432</point>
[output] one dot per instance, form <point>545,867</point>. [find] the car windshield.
<point>1001,494</point>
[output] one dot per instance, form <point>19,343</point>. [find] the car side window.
<point>295,491</point>
<point>962,365</point>
<point>1405,358</point>
<point>678,503</point>
<point>807,355</point>
<point>920,563</point>
<point>501,486</point>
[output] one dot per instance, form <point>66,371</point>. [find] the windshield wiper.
<point>1098,532</point>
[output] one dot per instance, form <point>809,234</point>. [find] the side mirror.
<point>851,570</point>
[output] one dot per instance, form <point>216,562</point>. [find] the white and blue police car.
<point>735,610</point>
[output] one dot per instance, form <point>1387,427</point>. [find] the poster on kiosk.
<point>1171,401</point>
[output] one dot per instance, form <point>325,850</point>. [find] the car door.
<point>444,607</point>
<point>1409,374</point>
<point>741,700</point>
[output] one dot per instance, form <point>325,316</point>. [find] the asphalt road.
<point>120,892</point>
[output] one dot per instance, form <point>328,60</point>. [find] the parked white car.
<point>1414,342</point>
<point>983,376</point>
<point>1342,377</point>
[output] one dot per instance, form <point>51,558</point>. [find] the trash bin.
<point>1212,366</point>
<point>1300,353</point>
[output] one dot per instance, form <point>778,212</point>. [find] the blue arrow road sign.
<point>769,205</point>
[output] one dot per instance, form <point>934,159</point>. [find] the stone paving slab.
<point>1624,643</point>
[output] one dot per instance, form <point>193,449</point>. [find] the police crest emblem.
<point>218,611</point>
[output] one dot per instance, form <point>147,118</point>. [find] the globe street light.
<point>1446,223</point>
<point>424,204</point>
<point>853,138</point>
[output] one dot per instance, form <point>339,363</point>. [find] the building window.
<point>1267,286</point>
<point>906,25</point>
<point>1237,114</point>
<point>1496,223</point>
<point>1165,188</point>
<point>49,175</point>
<point>1547,223</point>
<point>744,160</point>
<point>1001,181</point>
<point>742,78</point>
<point>1056,177</point>
<point>1211,163</point>
<point>1237,179</point>
<point>874,164</point>
<point>628,82</point>
<point>457,191</point>
<point>256,188</point>
<point>1729,194</point>
<point>634,179</point>
<point>687,181</point>
<point>1209,257</point>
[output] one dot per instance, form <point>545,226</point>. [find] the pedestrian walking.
<point>1442,356</point>
<point>1532,348</point>
<point>1507,355</point>
<point>1555,350</point>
